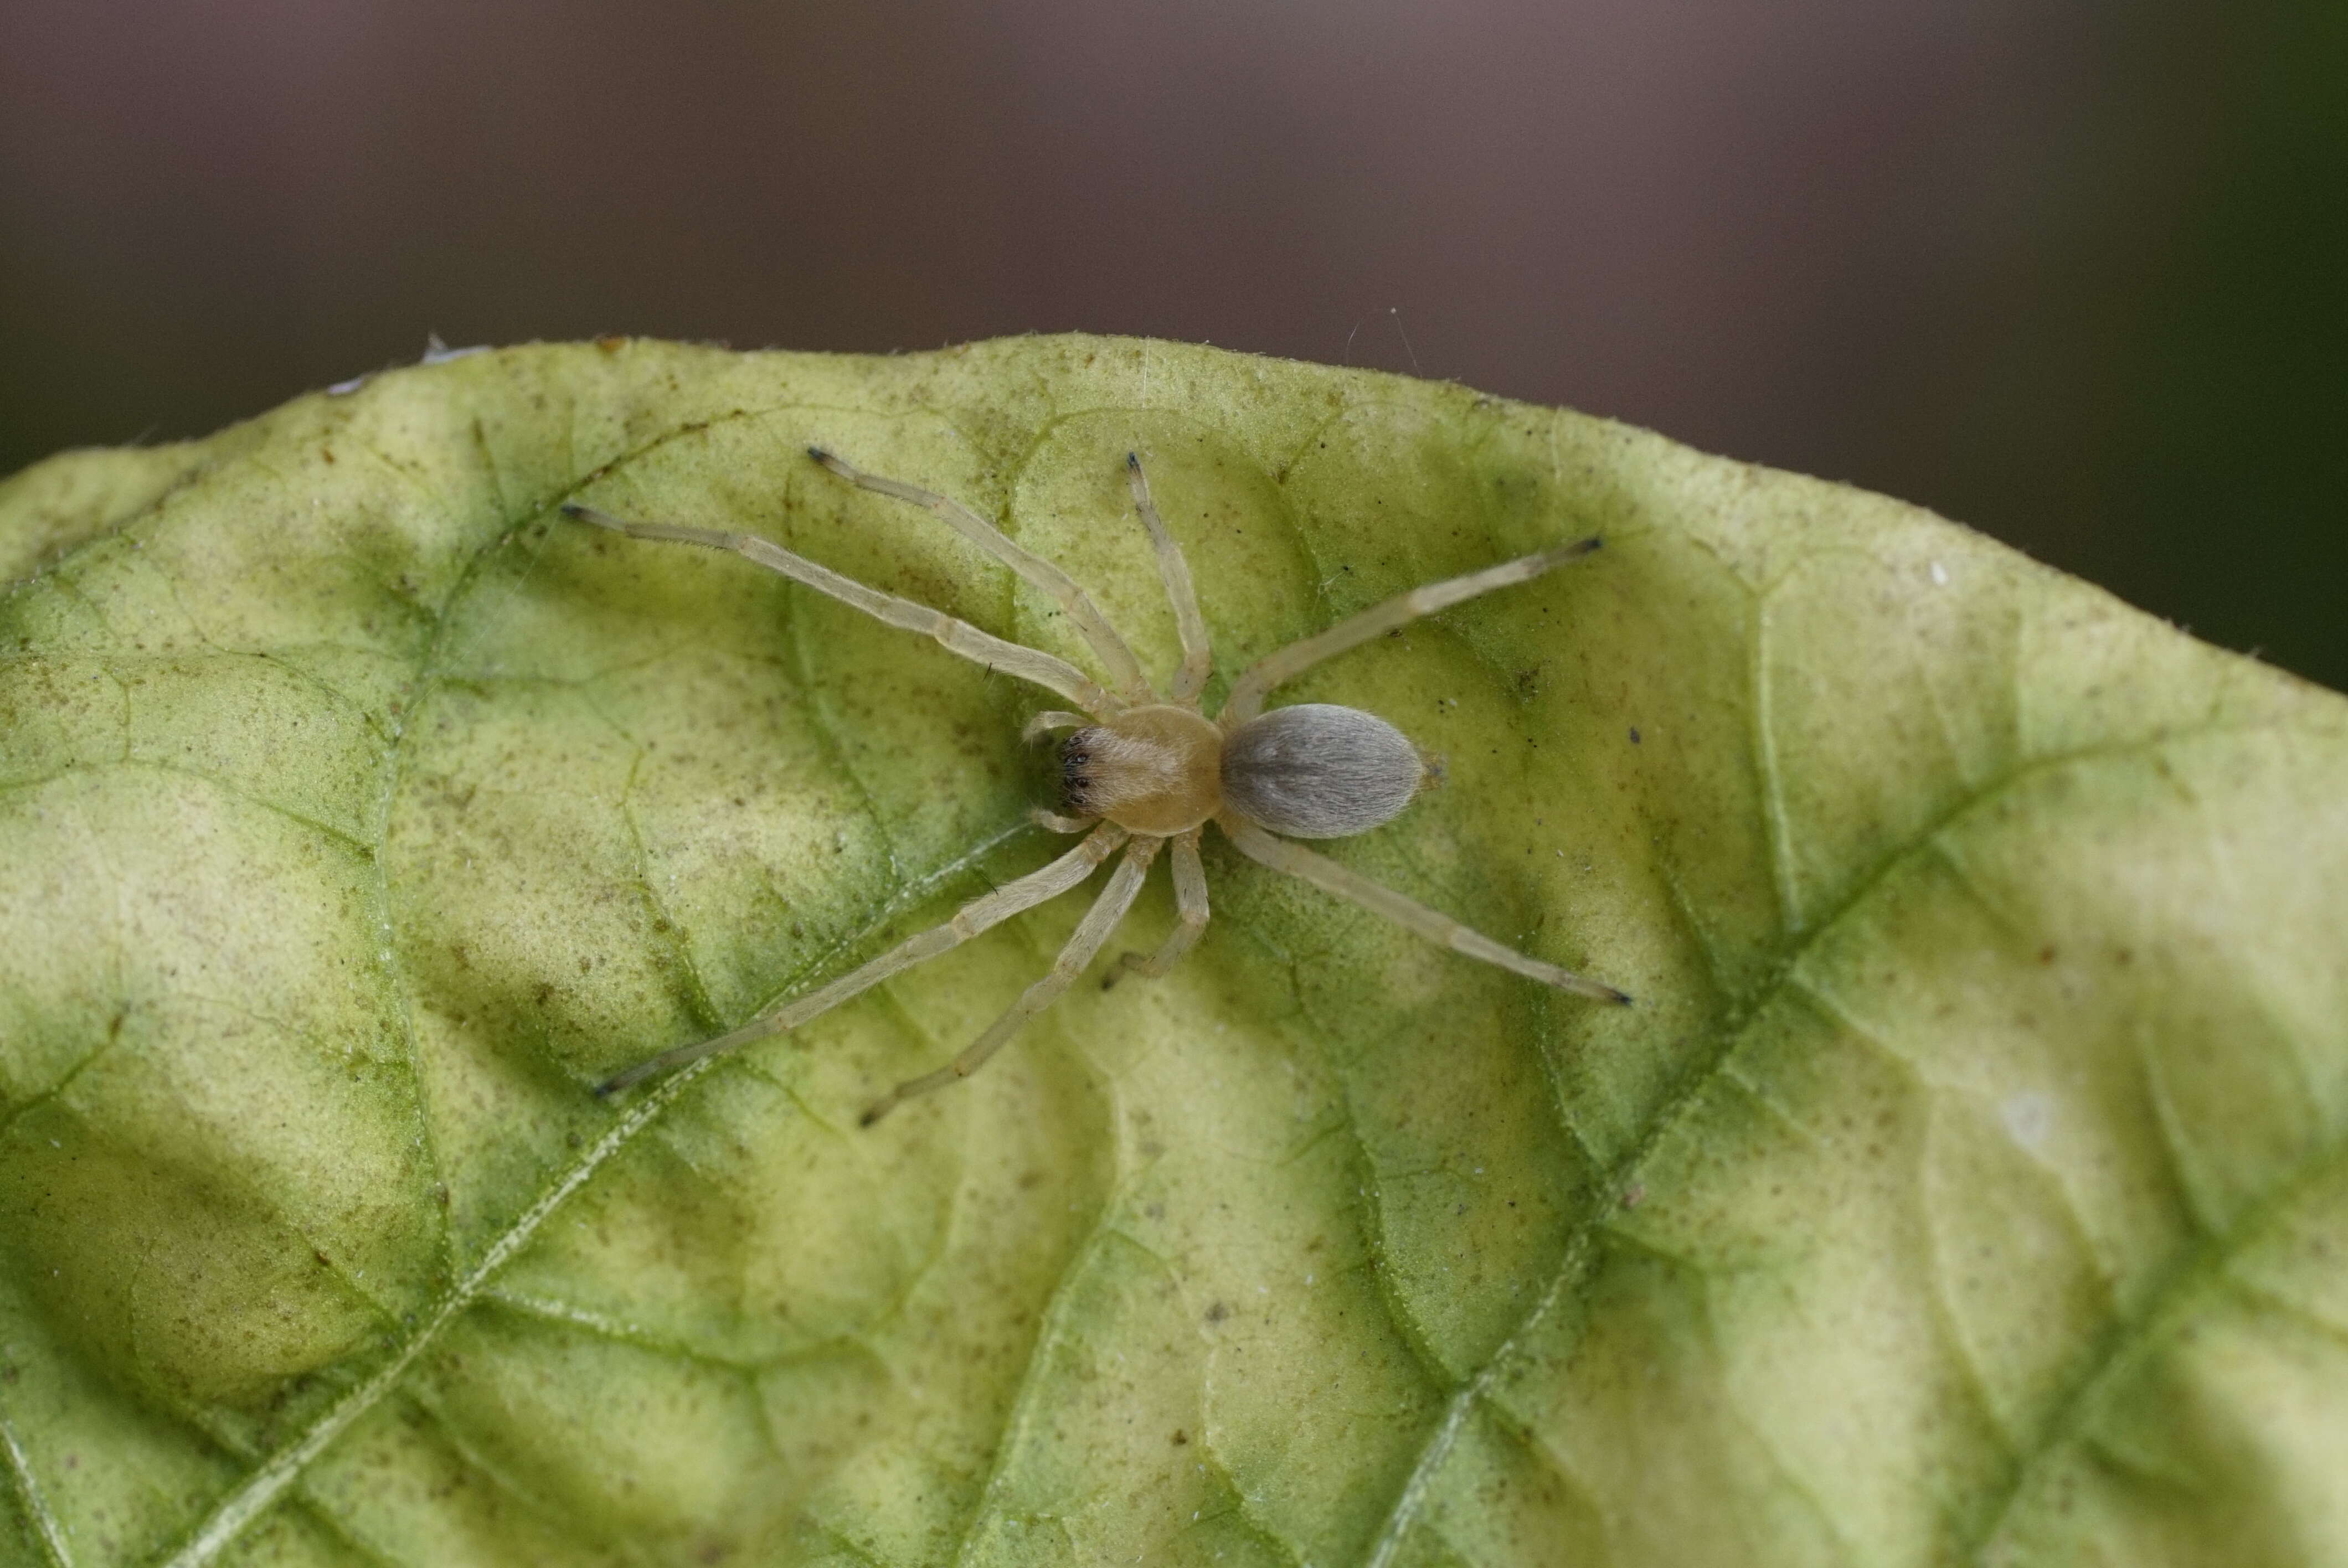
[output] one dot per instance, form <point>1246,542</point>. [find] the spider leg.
<point>1052,821</point>
<point>1190,916</point>
<point>1044,724</point>
<point>1439,928</point>
<point>1024,892</point>
<point>1198,654</point>
<point>1092,932</point>
<point>956,636</point>
<point>1246,699</point>
<point>1090,623</point>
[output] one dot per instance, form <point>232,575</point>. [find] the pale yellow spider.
<point>1140,768</point>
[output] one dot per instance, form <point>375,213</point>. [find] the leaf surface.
<point>1967,1186</point>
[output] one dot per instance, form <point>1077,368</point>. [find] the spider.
<point>1140,769</point>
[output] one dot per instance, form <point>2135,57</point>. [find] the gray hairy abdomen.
<point>1319,771</point>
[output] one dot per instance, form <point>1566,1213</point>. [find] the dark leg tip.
<point>1133,459</point>
<point>870,1116</point>
<point>573,509</point>
<point>1623,999</point>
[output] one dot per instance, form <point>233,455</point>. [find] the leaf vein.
<point>2204,1266</point>
<point>28,1493</point>
<point>1683,1094</point>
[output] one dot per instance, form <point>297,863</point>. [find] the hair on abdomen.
<point>1319,771</point>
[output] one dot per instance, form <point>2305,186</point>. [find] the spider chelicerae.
<point>1141,769</point>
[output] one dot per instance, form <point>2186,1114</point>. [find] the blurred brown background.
<point>2076,274</point>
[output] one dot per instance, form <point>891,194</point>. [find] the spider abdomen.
<point>1319,771</point>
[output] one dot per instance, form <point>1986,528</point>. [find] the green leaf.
<point>1967,1186</point>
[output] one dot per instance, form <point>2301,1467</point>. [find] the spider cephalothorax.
<point>1141,769</point>
<point>1153,769</point>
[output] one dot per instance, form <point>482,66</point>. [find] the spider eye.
<point>1076,781</point>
